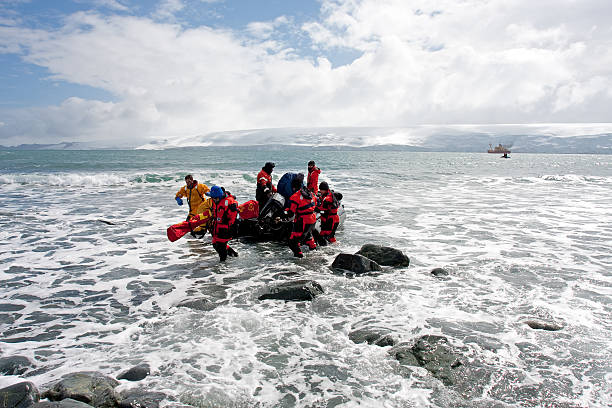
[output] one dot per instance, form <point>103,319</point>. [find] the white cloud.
<point>111,4</point>
<point>167,9</point>
<point>264,29</point>
<point>421,62</point>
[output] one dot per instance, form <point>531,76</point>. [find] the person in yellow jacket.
<point>194,192</point>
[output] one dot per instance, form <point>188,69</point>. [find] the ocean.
<point>89,281</point>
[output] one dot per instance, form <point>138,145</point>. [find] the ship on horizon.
<point>498,149</point>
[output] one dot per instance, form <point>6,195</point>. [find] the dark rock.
<point>65,403</point>
<point>294,290</point>
<point>385,256</point>
<point>141,399</point>
<point>433,353</point>
<point>372,337</point>
<point>197,304</point>
<point>136,373</point>
<point>20,395</point>
<point>15,365</point>
<point>403,353</point>
<point>355,263</point>
<point>440,272</point>
<point>92,388</point>
<point>540,325</point>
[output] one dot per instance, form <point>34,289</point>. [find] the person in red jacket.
<point>224,212</point>
<point>328,205</point>
<point>301,204</point>
<point>265,188</point>
<point>313,177</point>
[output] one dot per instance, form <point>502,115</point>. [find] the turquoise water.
<point>523,238</point>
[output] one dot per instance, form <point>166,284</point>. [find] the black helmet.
<point>311,163</point>
<point>269,165</point>
<point>324,186</point>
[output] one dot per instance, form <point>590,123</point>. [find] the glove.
<point>179,201</point>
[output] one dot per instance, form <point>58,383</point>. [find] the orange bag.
<point>250,209</point>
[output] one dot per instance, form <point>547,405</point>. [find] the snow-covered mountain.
<point>541,138</point>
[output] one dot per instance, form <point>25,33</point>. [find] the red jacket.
<point>265,180</point>
<point>328,205</point>
<point>313,180</point>
<point>224,216</point>
<point>302,203</point>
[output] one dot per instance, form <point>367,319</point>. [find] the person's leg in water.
<point>296,237</point>
<point>231,252</point>
<point>294,245</point>
<point>221,248</point>
<point>307,237</point>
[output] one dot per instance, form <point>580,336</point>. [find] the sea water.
<point>89,281</point>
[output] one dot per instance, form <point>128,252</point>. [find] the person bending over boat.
<point>301,204</point>
<point>265,187</point>
<point>194,192</point>
<point>328,205</point>
<point>313,177</point>
<point>224,212</point>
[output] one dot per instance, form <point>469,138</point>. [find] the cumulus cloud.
<point>419,62</point>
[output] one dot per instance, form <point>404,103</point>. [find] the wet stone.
<point>434,353</point>
<point>355,263</point>
<point>299,290</point>
<point>136,373</point>
<point>542,325</point>
<point>65,403</point>
<point>439,272</point>
<point>201,304</point>
<point>372,336</point>
<point>20,395</point>
<point>90,387</point>
<point>15,365</point>
<point>140,399</point>
<point>383,255</point>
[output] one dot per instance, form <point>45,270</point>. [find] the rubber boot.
<point>221,248</point>
<point>295,247</point>
<point>311,244</point>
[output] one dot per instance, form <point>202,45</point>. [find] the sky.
<point>136,70</point>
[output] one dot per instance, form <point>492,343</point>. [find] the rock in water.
<point>439,272</point>
<point>197,304</point>
<point>92,388</point>
<point>433,353</point>
<point>377,338</point>
<point>136,373</point>
<point>383,255</point>
<point>540,325</point>
<point>65,403</point>
<point>20,395</point>
<point>355,263</point>
<point>141,399</point>
<point>294,290</point>
<point>14,365</point>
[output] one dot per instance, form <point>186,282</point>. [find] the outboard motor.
<point>275,204</point>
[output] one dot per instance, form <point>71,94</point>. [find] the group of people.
<point>222,209</point>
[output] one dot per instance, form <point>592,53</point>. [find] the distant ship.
<point>498,149</point>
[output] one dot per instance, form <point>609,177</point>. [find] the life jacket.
<point>329,204</point>
<point>303,204</point>
<point>224,216</point>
